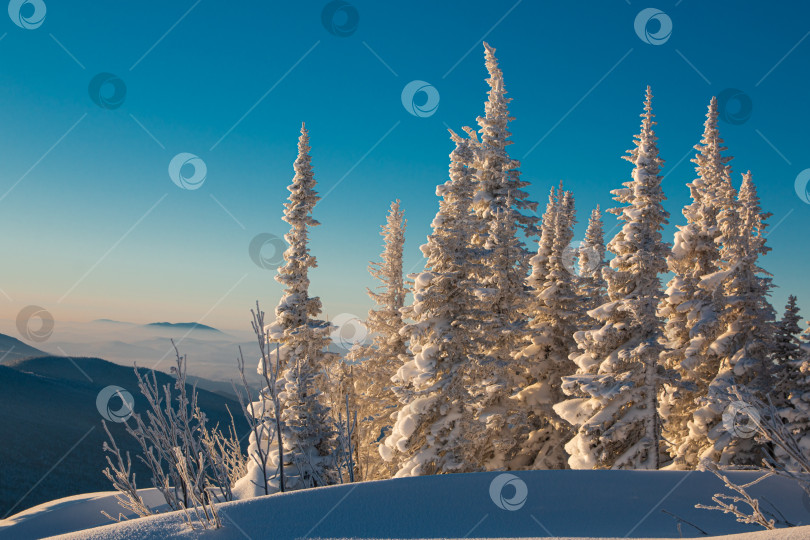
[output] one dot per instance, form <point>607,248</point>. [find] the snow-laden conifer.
<point>691,312</point>
<point>613,395</point>
<point>497,174</point>
<point>591,256</point>
<point>791,385</point>
<point>746,317</point>
<point>430,434</point>
<point>556,310</point>
<point>380,359</point>
<point>308,435</point>
<point>502,216</point>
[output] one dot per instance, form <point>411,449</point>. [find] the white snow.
<point>568,504</point>
<point>72,513</point>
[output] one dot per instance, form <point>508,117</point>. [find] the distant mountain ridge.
<point>13,349</point>
<point>164,324</point>
<point>184,326</point>
<point>49,405</point>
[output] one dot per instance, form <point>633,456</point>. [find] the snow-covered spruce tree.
<point>539,261</point>
<point>744,346</point>
<point>430,433</point>
<point>791,385</point>
<point>691,312</point>
<point>556,311</point>
<point>308,434</point>
<point>381,358</point>
<point>502,298</point>
<point>613,395</point>
<point>497,174</point>
<point>787,344</point>
<point>501,212</point>
<point>591,254</point>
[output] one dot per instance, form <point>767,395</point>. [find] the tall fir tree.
<point>431,429</point>
<point>502,298</point>
<point>539,261</point>
<point>691,312</point>
<point>502,212</point>
<point>497,174</point>
<point>380,360</point>
<point>556,311</point>
<point>791,385</point>
<point>308,435</point>
<point>787,338</point>
<point>613,404</point>
<point>746,316</point>
<point>591,255</point>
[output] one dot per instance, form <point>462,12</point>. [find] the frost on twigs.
<point>770,429</point>
<point>192,465</point>
<point>119,474</point>
<point>728,503</point>
<point>263,417</point>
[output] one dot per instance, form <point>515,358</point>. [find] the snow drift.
<point>558,503</point>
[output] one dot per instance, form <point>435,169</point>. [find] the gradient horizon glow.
<point>93,227</point>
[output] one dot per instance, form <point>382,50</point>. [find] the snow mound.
<point>73,513</point>
<point>565,504</point>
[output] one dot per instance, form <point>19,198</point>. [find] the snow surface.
<point>570,504</point>
<point>71,514</point>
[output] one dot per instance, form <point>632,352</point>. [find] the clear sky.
<point>93,226</point>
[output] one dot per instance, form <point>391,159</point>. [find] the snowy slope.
<point>563,503</point>
<point>70,514</point>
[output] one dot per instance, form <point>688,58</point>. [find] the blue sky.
<point>92,225</point>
